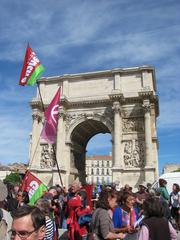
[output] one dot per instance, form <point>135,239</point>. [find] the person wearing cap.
<point>5,216</point>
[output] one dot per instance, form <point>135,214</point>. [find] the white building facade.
<point>99,170</point>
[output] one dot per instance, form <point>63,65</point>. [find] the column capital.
<point>62,112</point>
<point>146,105</point>
<point>116,107</point>
<point>36,116</point>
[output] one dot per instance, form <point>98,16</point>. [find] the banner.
<point>49,130</point>
<point>32,68</point>
<point>34,187</point>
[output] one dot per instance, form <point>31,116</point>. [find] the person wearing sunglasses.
<point>28,224</point>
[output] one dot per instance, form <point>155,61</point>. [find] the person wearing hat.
<point>141,195</point>
<point>5,216</point>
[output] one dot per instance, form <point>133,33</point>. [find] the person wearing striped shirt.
<point>44,206</point>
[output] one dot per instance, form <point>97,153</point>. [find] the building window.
<point>97,171</point>
<point>103,180</point>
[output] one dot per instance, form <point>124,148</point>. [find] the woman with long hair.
<point>102,224</point>
<point>22,197</point>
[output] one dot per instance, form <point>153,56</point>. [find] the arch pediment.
<point>86,125</point>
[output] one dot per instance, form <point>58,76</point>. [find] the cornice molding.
<point>96,74</point>
<point>146,93</point>
<point>84,102</point>
<point>37,104</point>
<point>116,95</point>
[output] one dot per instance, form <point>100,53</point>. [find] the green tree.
<point>13,178</point>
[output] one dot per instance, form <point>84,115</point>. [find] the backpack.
<point>85,219</point>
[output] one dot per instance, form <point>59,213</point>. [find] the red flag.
<point>33,186</point>
<point>32,68</point>
<point>49,130</point>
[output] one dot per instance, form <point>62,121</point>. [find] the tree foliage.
<point>13,178</point>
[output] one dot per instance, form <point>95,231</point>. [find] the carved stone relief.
<point>132,112</point>
<point>47,156</point>
<point>133,124</point>
<point>72,117</point>
<point>134,153</point>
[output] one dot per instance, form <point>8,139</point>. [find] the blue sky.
<point>71,36</point>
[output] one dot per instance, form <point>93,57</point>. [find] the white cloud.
<point>86,35</point>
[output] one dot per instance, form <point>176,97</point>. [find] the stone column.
<point>35,136</point>
<point>67,163</point>
<point>60,137</point>
<point>148,136</point>
<point>59,149</point>
<point>117,134</point>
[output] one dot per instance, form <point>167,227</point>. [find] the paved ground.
<point>63,234</point>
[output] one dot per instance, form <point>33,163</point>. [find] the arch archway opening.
<point>99,160</point>
<point>80,137</point>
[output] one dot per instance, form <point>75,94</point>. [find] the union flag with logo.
<point>32,68</point>
<point>49,130</point>
<point>34,187</point>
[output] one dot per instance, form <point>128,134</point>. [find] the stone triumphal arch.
<point>121,101</point>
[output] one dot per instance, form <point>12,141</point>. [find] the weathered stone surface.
<point>121,101</point>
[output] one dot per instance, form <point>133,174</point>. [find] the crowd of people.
<point>111,214</point>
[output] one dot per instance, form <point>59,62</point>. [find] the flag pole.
<point>42,104</point>
<point>54,151</point>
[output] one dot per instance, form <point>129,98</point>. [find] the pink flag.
<point>49,130</point>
